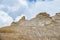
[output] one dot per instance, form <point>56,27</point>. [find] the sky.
<point>13,10</point>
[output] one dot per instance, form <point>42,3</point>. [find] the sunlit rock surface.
<point>57,17</point>
<point>42,27</point>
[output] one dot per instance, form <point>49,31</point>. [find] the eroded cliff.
<point>42,27</point>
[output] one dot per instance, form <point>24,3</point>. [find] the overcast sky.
<point>13,10</point>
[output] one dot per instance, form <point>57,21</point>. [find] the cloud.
<point>16,8</point>
<point>12,8</point>
<point>1,6</point>
<point>32,9</point>
<point>23,2</point>
<point>29,8</point>
<point>5,19</point>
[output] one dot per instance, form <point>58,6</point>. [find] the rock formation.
<point>41,19</point>
<point>57,17</point>
<point>42,27</point>
<point>22,19</point>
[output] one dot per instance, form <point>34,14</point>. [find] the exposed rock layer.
<point>42,27</point>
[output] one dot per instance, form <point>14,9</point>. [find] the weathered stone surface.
<point>56,17</point>
<point>42,27</point>
<point>41,19</point>
<point>22,19</point>
<point>43,14</point>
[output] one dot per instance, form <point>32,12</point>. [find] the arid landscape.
<point>41,27</point>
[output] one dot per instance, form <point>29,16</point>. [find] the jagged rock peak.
<point>56,18</point>
<point>43,14</point>
<point>22,19</point>
<point>58,14</point>
<point>13,23</point>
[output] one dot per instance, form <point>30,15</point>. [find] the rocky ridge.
<point>42,27</point>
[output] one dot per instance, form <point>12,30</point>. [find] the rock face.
<point>41,19</point>
<point>22,19</point>
<point>43,14</point>
<point>42,27</point>
<point>57,17</point>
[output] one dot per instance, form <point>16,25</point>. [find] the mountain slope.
<point>42,27</point>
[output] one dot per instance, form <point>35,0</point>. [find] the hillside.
<point>42,27</point>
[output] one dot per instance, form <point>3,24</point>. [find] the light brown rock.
<point>42,27</point>
<point>56,17</point>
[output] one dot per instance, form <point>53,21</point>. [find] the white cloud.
<point>23,2</point>
<point>51,7</point>
<point>1,6</point>
<point>5,19</point>
<point>12,8</point>
<point>32,9</point>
